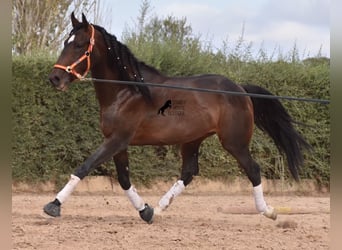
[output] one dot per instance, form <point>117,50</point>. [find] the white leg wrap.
<point>260,203</point>
<point>175,190</point>
<point>63,195</point>
<point>135,199</point>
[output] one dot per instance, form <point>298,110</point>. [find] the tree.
<point>167,43</point>
<point>163,30</point>
<point>42,25</point>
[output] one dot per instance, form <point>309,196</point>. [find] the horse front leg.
<point>189,153</point>
<point>122,168</point>
<point>107,149</point>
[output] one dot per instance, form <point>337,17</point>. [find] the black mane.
<point>128,64</point>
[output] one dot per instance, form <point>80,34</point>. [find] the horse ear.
<point>74,21</point>
<point>84,20</point>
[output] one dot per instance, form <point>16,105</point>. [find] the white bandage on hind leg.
<point>135,199</point>
<point>174,191</point>
<point>260,203</point>
<point>68,189</point>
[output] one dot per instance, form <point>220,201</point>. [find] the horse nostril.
<point>54,79</point>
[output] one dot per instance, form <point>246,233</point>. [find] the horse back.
<point>188,115</point>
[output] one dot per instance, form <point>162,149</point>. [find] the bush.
<point>54,132</point>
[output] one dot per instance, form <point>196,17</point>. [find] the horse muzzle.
<point>60,83</point>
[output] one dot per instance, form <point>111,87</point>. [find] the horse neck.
<point>106,93</point>
<point>150,74</point>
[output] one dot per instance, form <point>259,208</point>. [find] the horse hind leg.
<point>252,170</point>
<point>189,169</point>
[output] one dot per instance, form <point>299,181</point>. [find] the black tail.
<point>271,117</point>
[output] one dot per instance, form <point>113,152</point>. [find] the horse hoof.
<point>52,209</point>
<point>270,213</point>
<point>147,214</point>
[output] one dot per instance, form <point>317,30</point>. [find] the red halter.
<point>71,68</point>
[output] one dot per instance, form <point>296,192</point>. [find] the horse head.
<point>74,61</point>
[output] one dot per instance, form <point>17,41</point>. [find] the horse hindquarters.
<point>235,131</point>
<point>235,135</point>
<point>271,117</point>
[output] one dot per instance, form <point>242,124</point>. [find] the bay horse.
<point>129,115</point>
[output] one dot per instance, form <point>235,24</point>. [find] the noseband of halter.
<point>71,68</point>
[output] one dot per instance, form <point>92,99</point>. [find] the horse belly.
<point>170,130</point>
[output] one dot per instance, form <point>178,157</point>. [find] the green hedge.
<point>54,132</point>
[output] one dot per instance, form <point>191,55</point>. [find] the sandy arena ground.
<point>204,221</point>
